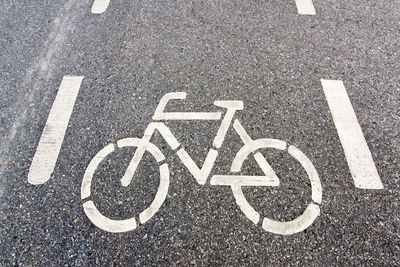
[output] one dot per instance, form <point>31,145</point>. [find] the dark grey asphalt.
<point>260,52</point>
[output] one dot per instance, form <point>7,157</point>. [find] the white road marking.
<point>159,113</point>
<point>87,177</point>
<point>316,189</point>
<point>270,178</point>
<point>297,225</point>
<point>164,131</point>
<point>99,6</point>
<point>243,180</point>
<point>246,139</point>
<point>53,133</point>
<point>305,7</point>
<point>267,169</point>
<point>119,226</point>
<point>199,174</point>
<point>142,145</point>
<point>161,194</point>
<point>107,224</point>
<point>232,107</point>
<point>355,147</point>
<point>244,205</point>
<point>253,146</point>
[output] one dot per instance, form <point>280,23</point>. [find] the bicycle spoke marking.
<point>305,7</point>
<point>355,147</point>
<point>53,133</point>
<point>99,6</point>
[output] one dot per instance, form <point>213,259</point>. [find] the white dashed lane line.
<point>99,6</point>
<point>358,155</point>
<point>53,133</point>
<point>305,7</point>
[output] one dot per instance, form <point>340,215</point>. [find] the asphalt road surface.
<point>298,164</point>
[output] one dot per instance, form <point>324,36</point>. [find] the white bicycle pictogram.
<point>201,175</point>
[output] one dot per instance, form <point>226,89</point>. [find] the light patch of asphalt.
<point>39,70</point>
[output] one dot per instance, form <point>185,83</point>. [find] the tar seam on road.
<point>53,133</point>
<point>358,155</point>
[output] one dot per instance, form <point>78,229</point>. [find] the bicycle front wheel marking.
<point>316,189</point>
<point>294,226</point>
<point>284,228</point>
<point>120,226</point>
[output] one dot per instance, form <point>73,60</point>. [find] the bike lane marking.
<point>99,6</point>
<point>305,7</point>
<point>357,153</point>
<point>46,154</point>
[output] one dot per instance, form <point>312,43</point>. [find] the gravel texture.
<point>260,52</point>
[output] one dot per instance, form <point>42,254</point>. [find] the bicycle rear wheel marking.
<point>107,224</point>
<point>161,194</point>
<point>119,226</point>
<point>87,177</point>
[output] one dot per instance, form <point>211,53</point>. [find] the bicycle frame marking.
<point>201,174</point>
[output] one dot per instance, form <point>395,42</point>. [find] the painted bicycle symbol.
<point>236,182</point>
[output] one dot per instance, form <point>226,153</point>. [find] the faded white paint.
<point>358,155</point>
<point>142,145</point>
<point>270,179</point>
<point>53,133</point>
<point>305,7</point>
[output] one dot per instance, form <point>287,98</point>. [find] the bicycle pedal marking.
<point>201,173</point>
